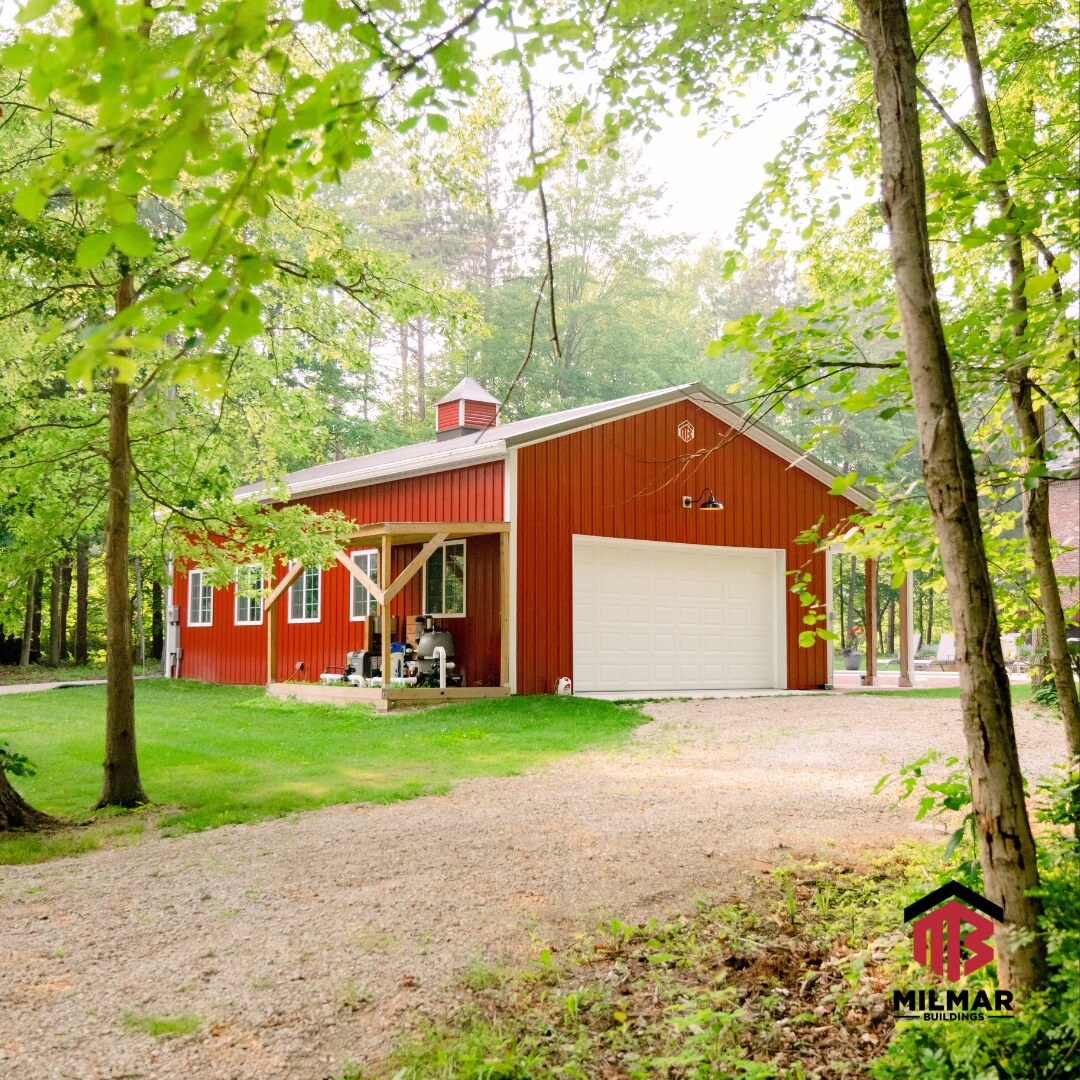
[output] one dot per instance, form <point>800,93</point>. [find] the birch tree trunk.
<point>140,622</point>
<point>1028,419</point>
<point>121,785</point>
<point>79,645</point>
<point>28,621</point>
<point>65,607</point>
<point>1006,847</point>
<point>56,585</point>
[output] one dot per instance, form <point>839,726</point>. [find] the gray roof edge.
<point>494,443</point>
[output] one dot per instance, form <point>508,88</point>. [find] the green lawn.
<point>214,755</point>
<point>1020,692</point>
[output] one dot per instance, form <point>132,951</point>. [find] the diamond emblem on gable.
<point>686,431</point>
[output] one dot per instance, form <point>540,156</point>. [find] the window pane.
<point>454,590</point>
<point>433,591</point>
<point>363,603</point>
<point>296,598</point>
<point>311,593</point>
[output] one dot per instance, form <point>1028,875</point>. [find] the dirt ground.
<point>312,941</point>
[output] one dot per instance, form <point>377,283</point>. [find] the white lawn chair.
<point>946,654</point>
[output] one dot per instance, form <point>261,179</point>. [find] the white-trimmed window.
<point>200,599</point>
<point>249,585</point>
<point>444,580</point>
<point>363,603</point>
<point>305,595</point>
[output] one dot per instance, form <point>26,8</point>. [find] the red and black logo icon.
<point>940,942</point>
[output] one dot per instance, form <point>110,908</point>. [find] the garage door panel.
<point>670,617</point>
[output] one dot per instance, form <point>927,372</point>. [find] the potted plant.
<point>852,653</point>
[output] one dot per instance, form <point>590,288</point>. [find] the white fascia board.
<point>606,416</point>
<point>431,463</point>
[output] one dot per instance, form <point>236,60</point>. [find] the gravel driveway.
<point>308,942</point>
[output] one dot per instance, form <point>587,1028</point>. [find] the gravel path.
<point>310,941</point>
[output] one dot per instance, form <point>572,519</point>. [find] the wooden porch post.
<point>871,623</point>
<point>271,645</point>
<point>907,632</point>
<point>504,609</point>
<point>384,611</point>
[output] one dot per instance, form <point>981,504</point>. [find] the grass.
<point>1021,692</point>
<point>215,755</point>
<point>11,674</point>
<point>163,1027</point>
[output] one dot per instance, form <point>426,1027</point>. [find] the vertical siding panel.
<point>627,479</point>
<point>225,652</point>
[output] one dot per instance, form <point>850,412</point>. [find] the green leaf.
<point>807,639</point>
<point>132,239</point>
<point>29,201</point>
<point>437,122</point>
<point>92,250</point>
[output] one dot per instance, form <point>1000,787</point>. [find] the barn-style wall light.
<point>701,502</point>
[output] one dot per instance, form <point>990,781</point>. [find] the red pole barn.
<point>637,545</point>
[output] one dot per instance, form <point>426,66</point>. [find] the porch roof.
<point>420,532</point>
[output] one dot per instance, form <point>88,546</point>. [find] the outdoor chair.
<point>946,654</point>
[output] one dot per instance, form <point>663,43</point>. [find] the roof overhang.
<point>456,458</point>
<point>419,532</point>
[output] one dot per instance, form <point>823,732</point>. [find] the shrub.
<point>14,764</point>
<point>1043,1038</point>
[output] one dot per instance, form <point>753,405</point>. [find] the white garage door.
<point>651,616</point>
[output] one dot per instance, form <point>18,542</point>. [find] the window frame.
<point>461,542</point>
<point>355,585</point>
<point>299,580</point>
<point>237,621</point>
<point>200,573</point>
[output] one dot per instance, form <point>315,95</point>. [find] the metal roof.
<point>470,390</point>
<point>492,444</point>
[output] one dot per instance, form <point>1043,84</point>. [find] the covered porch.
<point>404,549</point>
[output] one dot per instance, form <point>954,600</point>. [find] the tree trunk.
<point>1006,847</point>
<point>421,370</point>
<point>140,621</point>
<point>65,607</point>
<point>157,620</point>
<point>121,785</point>
<point>35,624</point>
<point>1037,664</point>
<point>929,617</point>
<point>56,585</point>
<point>403,348</point>
<point>15,812</point>
<point>28,621</point>
<point>892,625</point>
<point>1028,421</point>
<point>82,600</point>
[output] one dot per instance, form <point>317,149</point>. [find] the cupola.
<point>467,409</point>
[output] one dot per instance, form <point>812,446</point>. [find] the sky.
<point>708,181</point>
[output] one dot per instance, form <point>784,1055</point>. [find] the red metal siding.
<point>479,414</point>
<point>222,652</point>
<point>225,652</point>
<point>448,416</point>
<point>627,479</point>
